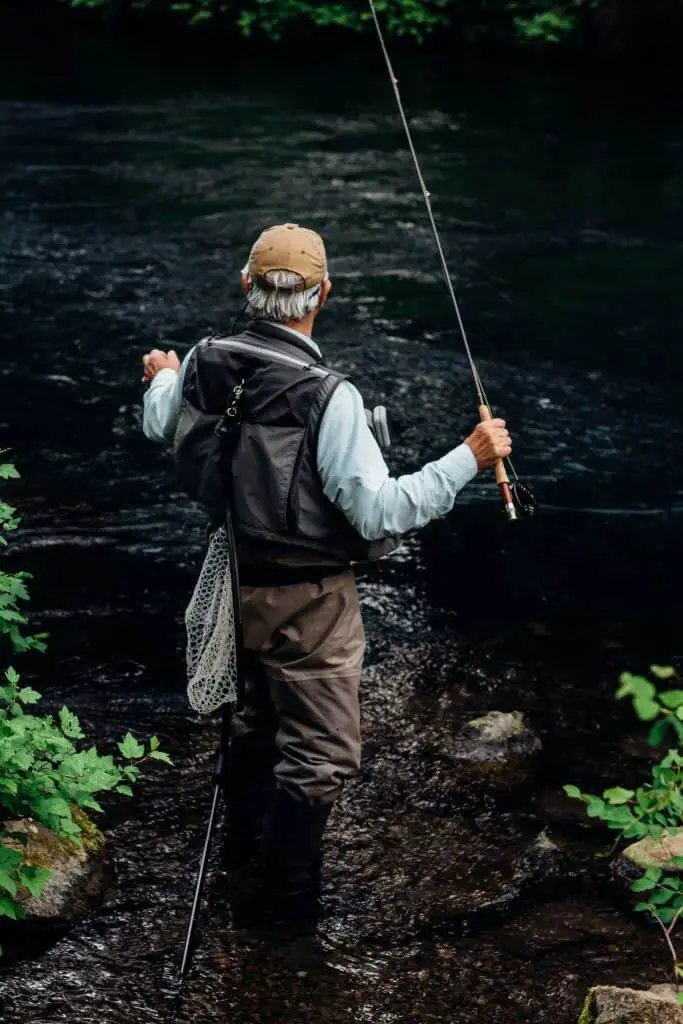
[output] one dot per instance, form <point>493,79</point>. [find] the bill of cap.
<point>291,248</point>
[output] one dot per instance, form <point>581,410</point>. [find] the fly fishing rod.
<point>517,498</point>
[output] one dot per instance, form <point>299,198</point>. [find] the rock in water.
<point>79,874</point>
<point>608,1004</point>
<point>647,853</point>
<point>497,751</point>
<point>651,853</point>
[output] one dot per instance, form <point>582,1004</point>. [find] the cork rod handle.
<point>502,478</point>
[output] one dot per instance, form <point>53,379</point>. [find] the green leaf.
<point>661,898</point>
<point>662,671</point>
<point>130,748</point>
<point>645,708</point>
<point>679,995</point>
<point>35,879</point>
<point>8,908</point>
<point>71,727</point>
<point>12,676</point>
<point>665,914</point>
<point>8,471</point>
<point>618,795</point>
<point>595,807</point>
<point>159,755</point>
<point>574,792</point>
<point>635,686</point>
<point>7,883</point>
<point>28,696</point>
<point>643,885</point>
<point>671,698</point>
<point>659,731</point>
<point>154,743</point>
<point>124,790</point>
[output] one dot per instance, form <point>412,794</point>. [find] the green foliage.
<point>654,809</point>
<point>649,811</point>
<point>664,709</point>
<point>13,589</point>
<point>546,21</point>
<point>45,772</point>
<point>550,25</point>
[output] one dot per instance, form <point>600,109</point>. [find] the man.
<point>311,495</point>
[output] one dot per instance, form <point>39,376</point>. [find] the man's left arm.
<point>163,399</point>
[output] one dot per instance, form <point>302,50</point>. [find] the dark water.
<point>129,200</point>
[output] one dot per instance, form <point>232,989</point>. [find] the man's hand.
<point>489,442</point>
<point>157,360</point>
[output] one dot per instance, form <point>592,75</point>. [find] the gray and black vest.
<point>280,509</point>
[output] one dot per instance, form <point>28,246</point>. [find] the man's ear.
<point>245,284</point>
<point>325,290</point>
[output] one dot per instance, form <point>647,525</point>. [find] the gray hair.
<point>280,302</point>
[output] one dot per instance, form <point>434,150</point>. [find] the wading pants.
<point>300,727</point>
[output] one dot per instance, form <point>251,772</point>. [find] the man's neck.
<point>304,326</point>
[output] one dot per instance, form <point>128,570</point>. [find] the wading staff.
<point>516,496</point>
<point>219,773</point>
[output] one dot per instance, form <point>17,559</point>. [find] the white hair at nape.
<point>279,301</point>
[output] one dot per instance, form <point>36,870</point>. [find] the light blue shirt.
<point>352,469</point>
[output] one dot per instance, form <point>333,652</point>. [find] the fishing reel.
<point>523,500</point>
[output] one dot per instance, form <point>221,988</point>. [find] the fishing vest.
<point>280,511</point>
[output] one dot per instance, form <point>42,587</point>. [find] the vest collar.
<point>284,339</point>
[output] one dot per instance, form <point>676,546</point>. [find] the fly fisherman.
<point>311,494</point>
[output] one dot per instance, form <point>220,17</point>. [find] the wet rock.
<point>542,862</point>
<point>498,736</point>
<point>495,752</point>
<point>607,1004</point>
<point>647,853</point>
<point>651,853</point>
<point>79,875</point>
<point>421,749</point>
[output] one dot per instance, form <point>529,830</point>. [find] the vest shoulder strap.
<point>274,355</point>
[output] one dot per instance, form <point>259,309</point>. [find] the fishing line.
<point>520,496</point>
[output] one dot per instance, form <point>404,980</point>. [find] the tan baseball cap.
<point>289,247</point>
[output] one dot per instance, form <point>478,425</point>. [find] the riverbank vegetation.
<point>47,773</point>
<point>651,814</point>
<point>615,25</point>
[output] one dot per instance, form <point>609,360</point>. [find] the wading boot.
<point>248,790</point>
<point>288,891</point>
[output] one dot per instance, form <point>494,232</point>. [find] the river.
<point>130,196</point>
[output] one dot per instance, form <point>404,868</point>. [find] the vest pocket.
<point>264,470</point>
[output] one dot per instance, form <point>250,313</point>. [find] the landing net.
<point>211,652</point>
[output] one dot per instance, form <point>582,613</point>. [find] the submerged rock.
<point>79,874</point>
<point>495,752</point>
<point>418,873</point>
<point>608,1004</point>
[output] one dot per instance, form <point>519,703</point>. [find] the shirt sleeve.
<point>162,403</point>
<point>355,476</point>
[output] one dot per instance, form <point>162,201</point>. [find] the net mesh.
<point>211,652</point>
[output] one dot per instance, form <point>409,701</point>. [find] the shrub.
<point>46,771</point>
<point>654,809</point>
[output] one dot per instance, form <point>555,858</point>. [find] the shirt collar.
<point>302,339</point>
